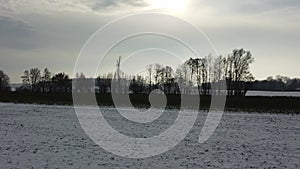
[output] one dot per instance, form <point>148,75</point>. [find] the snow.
<point>273,93</point>
<point>40,136</point>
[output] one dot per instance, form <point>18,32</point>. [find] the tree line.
<point>36,81</point>
<point>194,76</point>
<point>277,83</point>
<point>199,73</point>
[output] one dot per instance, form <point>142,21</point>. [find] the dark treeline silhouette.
<point>194,76</point>
<point>35,81</point>
<point>279,83</point>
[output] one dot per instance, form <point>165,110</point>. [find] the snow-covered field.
<point>37,136</point>
<point>273,93</point>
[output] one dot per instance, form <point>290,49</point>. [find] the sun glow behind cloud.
<point>176,6</point>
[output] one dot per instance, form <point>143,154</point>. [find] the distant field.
<point>233,103</point>
<point>273,93</point>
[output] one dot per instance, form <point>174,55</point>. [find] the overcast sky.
<point>50,33</point>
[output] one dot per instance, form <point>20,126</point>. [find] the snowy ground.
<point>36,136</point>
<point>273,93</point>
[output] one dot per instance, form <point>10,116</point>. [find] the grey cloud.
<point>14,22</point>
<point>56,29</point>
<point>139,3</point>
<point>267,5</point>
<point>96,5</point>
<point>104,4</point>
<point>61,30</point>
<point>15,33</point>
<point>7,7</point>
<point>248,6</point>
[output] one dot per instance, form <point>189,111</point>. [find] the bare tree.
<point>219,71</point>
<point>46,80</point>
<point>61,82</point>
<point>32,77</point>
<point>157,71</point>
<point>150,69</point>
<point>197,69</point>
<point>46,75</point>
<point>168,73</point>
<point>137,85</point>
<point>26,78</point>
<point>241,65</point>
<point>219,68</point>
<point>229,74</point>
<point>118,75</point>
<point>35,76</point>
<point>4,81</point>
<point>204,74</point>
<point>192,66</point>
<point>181,76</point>
<point>210,68</point>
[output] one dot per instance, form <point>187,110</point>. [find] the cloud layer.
<point>51,32</point>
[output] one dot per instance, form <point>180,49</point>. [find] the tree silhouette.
<point>46,80</point>
<point>137,85</point>
<point>4,81</point>
<point>150,70</point>
<point>31,78</point>
<point>219,71</point>
<point>241,65</point>
<point>46,75</point>
<point>35,76</point>
<point>26,78</point>
<point>61,82</point>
